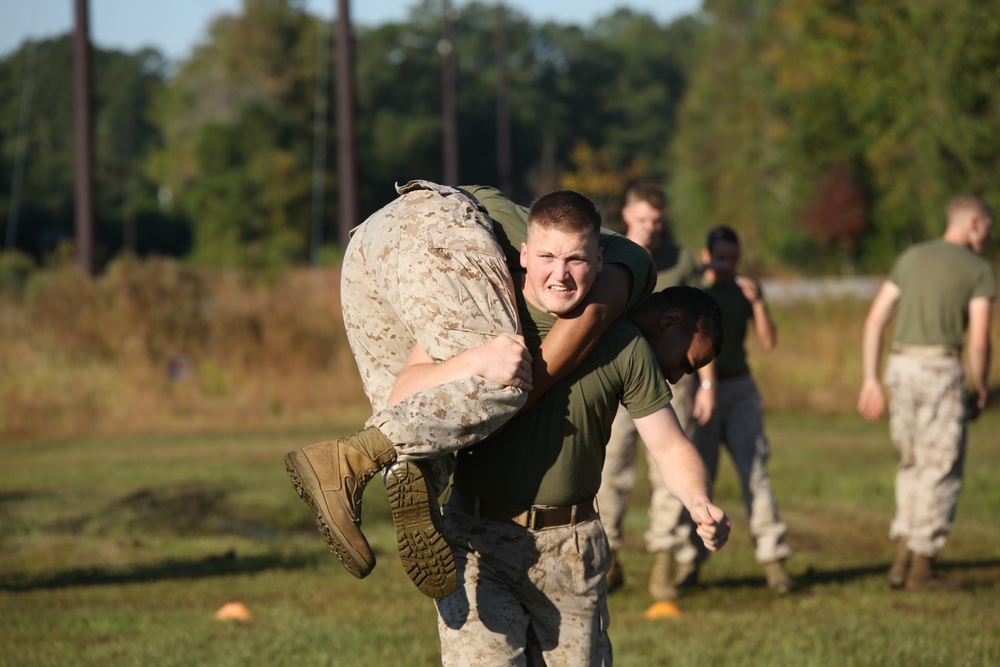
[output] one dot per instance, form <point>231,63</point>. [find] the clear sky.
<point>175,26</point>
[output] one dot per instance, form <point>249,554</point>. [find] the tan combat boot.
<point>423,549</point>
<point>687,575</point>
<point>922,577</point>
<point>661,585</point>
<point>615,576</point>
<point>900,564</point>
<point>778,579</point>
<point>331,477</point>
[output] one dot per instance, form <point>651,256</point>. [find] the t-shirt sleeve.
<point>899,268</point>
<point>645,389</point>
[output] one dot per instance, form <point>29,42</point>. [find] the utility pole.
<point>320,119</point>
<point>83,126</point>
<point>448,96</point>
<point>504,174</point>
<point>346,142</point>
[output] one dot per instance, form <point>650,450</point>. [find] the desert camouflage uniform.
<point>427,269</point>
<point>506,569</point>
<point>927,425</point>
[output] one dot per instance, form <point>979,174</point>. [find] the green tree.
<point>832,132</point>
<point>929,112</point>
<point>728,164</point>
<point>127,209</point>
<point>238,124</point>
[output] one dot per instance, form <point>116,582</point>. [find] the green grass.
<point>118,552</point>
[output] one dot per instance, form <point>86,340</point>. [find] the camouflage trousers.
<point>526,597</point>
<point>426,269</point>
<point>738,423</point>
<point>927,425</point>
<point>669,524</point>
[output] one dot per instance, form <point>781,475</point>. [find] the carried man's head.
<point>683,325</point>
<point>562,254</point>
<point>644,214</point>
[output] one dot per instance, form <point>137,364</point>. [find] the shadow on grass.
<point>225,564</point>
<point>815,577</point>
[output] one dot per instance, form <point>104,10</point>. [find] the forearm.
<point>678,462</point>
<point>764,327</point>
<point>979,365</point>
<point>684,474</point>
<point>980,349</point>
<point>503,359</point>
<point>423,373</point>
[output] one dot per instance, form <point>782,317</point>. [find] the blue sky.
<point>175,26</point>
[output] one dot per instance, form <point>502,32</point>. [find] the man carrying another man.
<point>531,553</point>
<point>684,332</point>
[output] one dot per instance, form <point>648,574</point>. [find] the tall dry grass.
<point>159,346</point>
<point>84,356</point>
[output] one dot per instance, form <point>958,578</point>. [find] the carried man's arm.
<point>628,277</point>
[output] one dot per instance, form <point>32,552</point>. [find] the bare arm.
<point>705,396</point>
<point>980,313</point>
<point>763,325</point>
<point>505,360</point>
<point>684,473</point>
<point>573,336</point>
<point>871,403</point>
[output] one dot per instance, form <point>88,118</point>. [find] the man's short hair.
<point>968,204</point>
<point>720,233</point>
<point>701,311</point>
<point>566,211</point>
<point>645,191</point>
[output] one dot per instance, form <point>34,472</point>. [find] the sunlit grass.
<point>117,551</point>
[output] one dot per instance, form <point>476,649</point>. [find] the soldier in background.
<point>645,216</point>
<point>737,421</point>
<point>935,290</point>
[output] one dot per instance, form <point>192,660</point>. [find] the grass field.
<point>118,551</point>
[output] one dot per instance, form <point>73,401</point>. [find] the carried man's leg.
<point>425,270</point>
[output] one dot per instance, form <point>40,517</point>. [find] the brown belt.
<point>532,518</point>
<point>927,351</point>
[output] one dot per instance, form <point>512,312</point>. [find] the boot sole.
<point>425,553</point>
<point>307,486</point>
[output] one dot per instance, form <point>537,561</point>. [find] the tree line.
<point>829,133</point>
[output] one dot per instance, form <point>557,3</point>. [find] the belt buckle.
<point>533,515</point>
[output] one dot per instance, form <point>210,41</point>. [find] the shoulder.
<point>623,343</point>
<point>622,334</point>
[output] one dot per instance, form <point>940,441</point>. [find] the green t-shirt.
<point>553,453</point>
<point>937,279</point>
<point>511,229</point>
<point>674,265</point>
<point>736,313</point>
